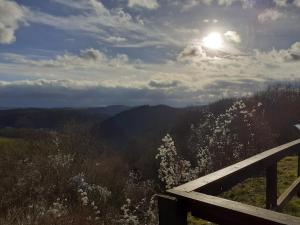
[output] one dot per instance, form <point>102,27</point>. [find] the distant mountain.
<point>56,117</point>
<point>140,123</point>
<point>109,110</point>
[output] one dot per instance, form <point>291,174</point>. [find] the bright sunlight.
<point>213,40</point>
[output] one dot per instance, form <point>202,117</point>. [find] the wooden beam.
<point>288,194</point>
<point>227,212</point>
<point>222,180</point>
<point>298,153</point>
<point>271,187</point>
<point>171,211</point>
<point>298,193</point>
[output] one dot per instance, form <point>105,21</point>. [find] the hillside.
<point>144,122</point>
<point>55,118</point>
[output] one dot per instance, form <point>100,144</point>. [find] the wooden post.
<point>171,211</point>
<point>298,193</point>
<point>271,187</point>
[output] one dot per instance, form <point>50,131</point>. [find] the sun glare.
<point>213,40</point>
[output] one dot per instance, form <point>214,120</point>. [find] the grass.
<point>252,190</point>
<point>4,140</point>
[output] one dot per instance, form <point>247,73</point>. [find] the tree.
<point>173,170</point>
<point>220,140</point>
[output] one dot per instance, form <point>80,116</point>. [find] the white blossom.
<point>173,170</point>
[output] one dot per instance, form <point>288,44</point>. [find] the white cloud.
<point>281,3</point>
<point>94,78</point>
<point>194,67</point>
<point>286,3</point>
<point>207,2</point>
<point>244,3</point>
<point>86,59</point>
<point>115,40</point>
<point>269,15</point>
<point>148,4</point>
<point>226,2</point>
<point>295,48</point>
<point>297,3</point>
<point>90,5</point>
<point>290,55</point>
<point>11,16</point>
<point>232,36</point>
<point>114,26</point>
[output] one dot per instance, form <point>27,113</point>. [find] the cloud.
<point>89,5</point>
<point>111,26</point>
<point>196,51</point>
<point>11,16</point>
<point>92,77</point>
<point>281,3</point>
<point>226,3</point>
<point>191,52</point>
<point>115,40</point>
<point>188,4</point>
<point>297,3</point>
<point>296,47</point>
<point>274,64</point>
<point>62,93</point>
<point>87,58</point>
<point>286,3</point>
<point>210,21</point>
<point>148,4</point>
<point>232,36</point>
<point>269,15</point>
<point>289,55</point>
<point>164,84</point>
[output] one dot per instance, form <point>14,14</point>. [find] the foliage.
<point>220,140</point>
<point>173,170</point>
<point>69,176</point>
<point>217,141</point>
<point>45,184</point>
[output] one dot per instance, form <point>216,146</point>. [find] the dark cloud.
<point>92,54</point>
<point>164,84</point>
<point>61,93</point>
<point>295,57</point>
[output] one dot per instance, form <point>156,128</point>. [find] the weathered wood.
<point>288,194</point>
<point>271,187</point>
<point>227,212</point>
<point>171,211</point>
<point>298,193</point>
<point>221,180</point>
<point>298,153</point>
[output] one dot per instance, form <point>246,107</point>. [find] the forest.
<point>107,165</point>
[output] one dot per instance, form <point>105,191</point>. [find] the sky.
<point>82,53</point>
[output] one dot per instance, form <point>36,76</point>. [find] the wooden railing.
<point>199,196</point>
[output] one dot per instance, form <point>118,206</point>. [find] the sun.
<point>213,40</point>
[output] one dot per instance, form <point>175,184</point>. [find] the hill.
<point>143,121</point>
<point>55,118</point>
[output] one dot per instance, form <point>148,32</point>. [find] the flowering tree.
<point>200,140</point>
<point>220,140</point>
<point>140,207</point>
<point>173,169</point>
<point>217,141</point>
